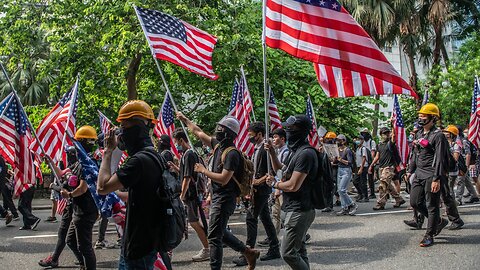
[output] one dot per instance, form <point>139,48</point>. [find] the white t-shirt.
<point>370,145</point>
<point>359,154</point>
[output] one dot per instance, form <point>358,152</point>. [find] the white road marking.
<point>405,211</point>
<point>51,235</point>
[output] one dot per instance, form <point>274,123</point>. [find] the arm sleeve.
<point>350,157</point>
<point>305,161</point>
<point>189,164</point>
<point>232,160</point>
<point>130,172</point>
<point>441,156</point>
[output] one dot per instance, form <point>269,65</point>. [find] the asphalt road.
<point>370,240</point>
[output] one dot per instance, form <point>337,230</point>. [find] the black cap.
<point>360,136</point>
<point>165,139</point>
<point>300,121</point>
<point>280,132</point>
<point>384,130</point>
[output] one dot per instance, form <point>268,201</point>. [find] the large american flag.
<point>347,61</point>
<point>178,42</point>
<point>474,126</point>
<point>275,121</point>
<point>15,138</point>
<point>401,140</point>
<point>240,108</point>
<point>313,138</point>
<point>52,128</point>
<point>165,124</point>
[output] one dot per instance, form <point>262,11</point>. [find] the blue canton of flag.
<point>159,23</point>
<point>15,114</point>
<point>330,4</point>
<point>233,101</point>
<point>167,112</point>
<point>90,173</point>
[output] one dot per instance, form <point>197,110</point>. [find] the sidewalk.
<point>37,204</point>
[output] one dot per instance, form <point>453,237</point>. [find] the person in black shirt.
<point>385,157</point>
<point>142,177</point>
<point>3,179</point>
<point>224,188</point>
<point>296,184</point>
<point>191,195</point>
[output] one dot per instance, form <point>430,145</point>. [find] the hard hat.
<point>136,108</point>
<point>452,129</point>
<point>231,123</point>
<point>86,132</point>
<point>430,109</point>
<point>330,135</point>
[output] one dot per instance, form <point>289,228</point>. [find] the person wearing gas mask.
<point>139,174</point>
<point>225,167</point>
<point>296,183</point>
<point>430,165</point>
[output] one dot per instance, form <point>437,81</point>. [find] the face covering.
<point>339,143</point>
<point>88,146</point>
<point>252,139</point>
<point>384,137</point>
<point>135,138</point>
<point>422,122</point>
<point>357,142</point>
<point>296,137</point>
<point>179,148</point>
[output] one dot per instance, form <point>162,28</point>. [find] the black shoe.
<point>456,225</point>
<point>35,224</point>
<point>25,228</point>
<point>240,261</point>
<point>473,200</point>
<point>338,203</point>
<point>443,223</point>
<point>398,204</point>
<point>412,223</point>
<point>372,196</point>
<point>8,218</point>
<point>264,243</point>
<point>271,255</point>
<point>426,241</point>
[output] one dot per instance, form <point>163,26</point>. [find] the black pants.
<point>371,183</point>
<point>25,207</point>
<point>102,229</point>
<point>220,211</point>
<point>7,199</point>
<point>427,203</point>
<point>260,208</point>
<point>360,183</point>
<point>62,231</point>
<point>79,239</point>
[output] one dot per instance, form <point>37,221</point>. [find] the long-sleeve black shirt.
<point>432,160</point>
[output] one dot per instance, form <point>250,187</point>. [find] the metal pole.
<point>265,83</point>
<point>32,130</point>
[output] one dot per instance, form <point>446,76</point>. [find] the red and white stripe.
<point>61,204</point>
<point>313,137</point>
<point>241,111</point>
<point>401,140</point>
<point>247,98</point>
<point>474,126</point>
<point>161,128</point>
<point>275,121</point>
<point>347,61</point>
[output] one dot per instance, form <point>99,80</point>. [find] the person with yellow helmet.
<point>140,175</point>
<point>330,139</point>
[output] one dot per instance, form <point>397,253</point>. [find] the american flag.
<point>401,140</point>
<point>474,126</point>
<point>426,96</point>
<point>61,204</point>
<point>239,108</point>
<point>52,128</point>
<point>178,42</point>
<point>165,124</point>
<point>105,126</point>
<point>347,61</point>
<point>14,140</point>
<point>313,138</point>
<point>275,121</point>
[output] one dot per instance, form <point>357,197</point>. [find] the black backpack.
<point>174,222</point>
<point>473,151</point>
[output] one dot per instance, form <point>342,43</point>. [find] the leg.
<point>363,183</point>
<point>450,204</point>
<point>102,229</point>
<point>276,209</point>
<point>72,243</point>
<point>8,200</point>
<point>62,232</point>
<point>25,207</point>
<point>252,219</point>
<point>417,197</point>
<point>470,187</point>
<point>83,229</point>
<point>269,227</point>
<point>383,187</point>
<point>293,245</point>
<point>433,206</point>
<point>144,263</point>
<point>343,179</point>
<point>371,184</point>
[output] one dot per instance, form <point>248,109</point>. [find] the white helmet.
<point>231,123</point>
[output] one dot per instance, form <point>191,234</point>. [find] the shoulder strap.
<point>226,151</point>
<point>299,150</point>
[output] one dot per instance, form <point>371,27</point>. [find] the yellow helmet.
<point>330,135</point>
<point>136,108</point>
<point>86,132</point>
<point>430,109</point>
<point>452,129</point>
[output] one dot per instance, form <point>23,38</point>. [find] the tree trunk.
<point>132,76</point>
<point>438,45</point>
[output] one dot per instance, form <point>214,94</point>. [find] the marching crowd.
<point>281,185</point>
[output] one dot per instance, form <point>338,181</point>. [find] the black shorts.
<point>192,210</point>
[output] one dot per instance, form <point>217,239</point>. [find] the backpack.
<point>245,181</point>
<point>174,221</point>
<point>452,163</point>
<point>473,151</point>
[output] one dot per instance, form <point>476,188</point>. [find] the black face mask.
<point>71,158</point>
<point>133,139</point>
<point>252,139</point>
<point>295,138</point>
<point>422,122</point>
<point>87,146</point>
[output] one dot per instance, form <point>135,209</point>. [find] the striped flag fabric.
<point>165,124</point>
<point>275,121</point>
<point>313,138</point>
<point>61,204</point>
<point>474,126</point>
<point>426,97</point>
<point>105,126</point>
<point>346,60</point>
<point>15,138</point>
<point>239,109</point>
<point>178,42</point>
<point>401,140</point>
<point>53,127</point>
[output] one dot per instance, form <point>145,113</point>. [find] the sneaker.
<point>327,210</point>
<point>443,223</point>
<point>264,243</point>
<point>8,218</point>
<point>35,224</point>
<point>426,241</point>
<point>473,200</point>
<point>48,262</point>
<point>342,212</point>
<point>271,255</point>
<point>456,225</point>
<point>352,209</point>
<point>25,228</point>
<point>240,261</point>
<point>104,245</point>
<point>378,207</point>
<point>203,255</point>
<point>16,217</point>
<point>412,223</point>
<point>51,219</point>
<point>398,204</point>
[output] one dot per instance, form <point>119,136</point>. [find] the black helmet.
<point>384,130</point>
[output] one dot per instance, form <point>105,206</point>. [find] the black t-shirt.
<point>261,170</point>
<point>83,205</point>
<point>141,176</point>
<point>385,149</point>
<point>3,170</point>
<point>187,163</point>
<point>305,162</point>
<point>233,162</point>
<point>167,155</point>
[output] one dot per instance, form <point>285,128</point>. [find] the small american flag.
<point>165,124</point>
<point>52,128</point>
<point>105,126</point>
<point>275,121</point>
<point>15,138</point>
<point>239,109</point>
<point>426,96</point>
<point>61,204</point>
<point>401,140</point>
<point>313,138</point>
<point>178,42</point>
<point>347,61</point>
<point>474,126</point>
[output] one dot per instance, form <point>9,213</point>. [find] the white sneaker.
<point>203,255</point>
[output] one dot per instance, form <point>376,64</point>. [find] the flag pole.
<point>74,97</point>
<point>265,83</point>
<point>32,130</point>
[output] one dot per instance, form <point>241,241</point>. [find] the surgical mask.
<point>357,142</point>
<point>179,148</point>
